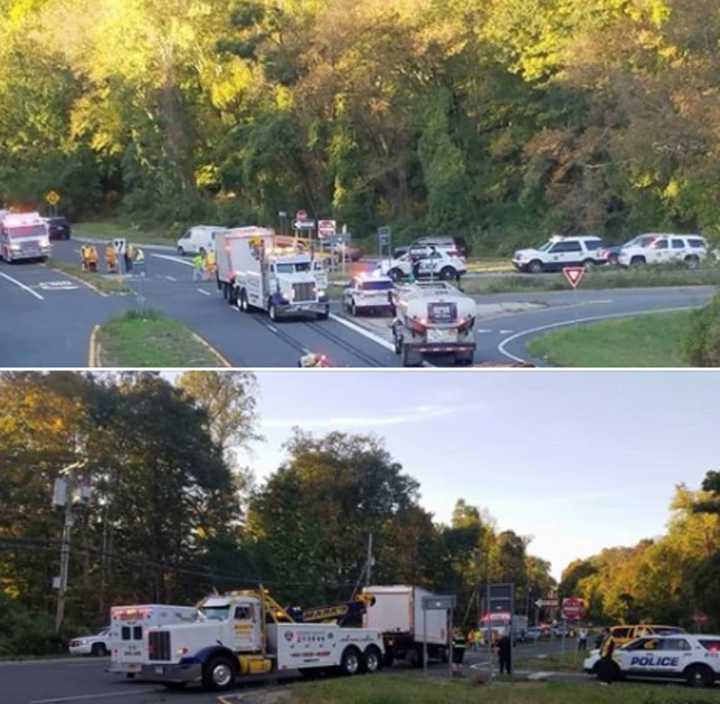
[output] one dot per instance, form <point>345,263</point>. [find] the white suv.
<point>665,249</point>
<point>425,262</point>
<point>97,645</point>
<point>694,658</point>
<point>365,293</point>
<point>559,252</point>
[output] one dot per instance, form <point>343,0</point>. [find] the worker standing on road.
<point>504,647</point>
<point>128,256</point>
<point>139,261</point>
<point>458,645</point>
<point>582,638</point>
<point>198,266</point>
<point>111,260</point>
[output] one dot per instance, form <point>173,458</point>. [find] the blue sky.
<point>578,460</point>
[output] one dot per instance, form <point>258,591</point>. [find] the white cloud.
<point>416,414</point>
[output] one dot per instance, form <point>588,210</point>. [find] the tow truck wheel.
<point>244,307</point>
<point>350,662</point>
<point>272,311</point>
<point>447,273</point>
<point>218,673</point>
<point>699,676</point>
<point>325,314</point>
<point>371,660</point>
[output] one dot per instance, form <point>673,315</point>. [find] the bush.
<point>702,347</point>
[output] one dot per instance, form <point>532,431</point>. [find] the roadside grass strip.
<point>149,339</point>
<point>419,690</point>
<point>107,230</point>
<point>653,340</point>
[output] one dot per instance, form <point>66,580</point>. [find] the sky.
<point>579,461</point>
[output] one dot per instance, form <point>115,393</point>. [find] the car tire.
<point>244,305</point>
<point>692,262</point>
<point>325,314</point>
<point>699,676</point>
<point>98,650</point>
<point>272,311</point>
<point>589,264</point>
<point>181,251</point>
<point>353,309</point>
<point>396,275</point>
<point>371,661</point>
<point>447,273</point>
<point>638,261</point>
<point>350,662</point>
<point>218,673</point>
<point>613,260</point>
<point>536,267</point>
<point>202,252</point>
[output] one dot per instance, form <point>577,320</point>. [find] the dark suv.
<point>58,228</point>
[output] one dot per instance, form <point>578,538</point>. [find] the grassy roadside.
<point>655,340</point>
<point>149,339</point>
<point>393,689</point>
<point>570,661</point>
<point>100,282</point>
<point>106,230</point>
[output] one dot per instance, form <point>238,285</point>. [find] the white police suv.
<point>694,658</point>
<point>559,252</point>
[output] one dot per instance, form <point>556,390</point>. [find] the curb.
<point>224,361</point>
<point>94,352</point>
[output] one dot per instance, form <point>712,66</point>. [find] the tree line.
<point>501,120</point>
<point>173,513</point>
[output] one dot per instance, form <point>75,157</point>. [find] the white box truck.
<point>397,612</point>
<point>129,627</point>
<point>258,269</point>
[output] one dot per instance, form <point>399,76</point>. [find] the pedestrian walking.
<point>459,643</point>
<point>504,649</point>
<point>606,667</point>
<point>198,267</point>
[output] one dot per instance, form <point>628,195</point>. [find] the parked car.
<point>665,249</point>
<point>536,633</point>
<point>611,253</point>
<point>426,262</point>
<point>559,252</point>
<point>694,658</point>
<point>58,228</point>
<point>624,634</point>
<point>199,240</point>
<point>368,294</point>
<point>97,645</point>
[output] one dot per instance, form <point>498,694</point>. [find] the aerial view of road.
<point>50,315</point>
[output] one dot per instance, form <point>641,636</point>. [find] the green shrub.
<point>702,347</point>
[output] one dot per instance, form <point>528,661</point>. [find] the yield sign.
<point>574,275</point>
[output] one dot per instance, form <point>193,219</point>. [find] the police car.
<point>694,658</point>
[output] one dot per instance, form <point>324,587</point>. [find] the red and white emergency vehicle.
<point>23,236</point>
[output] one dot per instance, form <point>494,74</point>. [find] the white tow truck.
<point>247,632</point>
<point>397,612</point>
<point>258,269</point>
<point>128,643</point>
<point>23,236</point>
<point>433,318</point>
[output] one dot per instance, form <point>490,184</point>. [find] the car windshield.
<point>377,285</point>
<point>292,268</point>
<point>546,246</point>
<point>215,613</point>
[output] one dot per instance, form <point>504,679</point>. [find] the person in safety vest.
<point>606,667</point>
<point>198,267</point>
<point>89,257</point>
<point>111,260</point>
<point>459,643</point>
<point>210,264</point>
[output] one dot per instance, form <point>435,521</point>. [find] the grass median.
<point>149,339</point>
<point>106,284</point>
<point>107,229</point>
<point>393,689</point>
<point>654,340</point>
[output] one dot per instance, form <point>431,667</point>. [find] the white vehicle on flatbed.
<point>23,236</point>
<point>128,643</point>
<point>257,269</point>
<point>247,632</point>
<point>397,612</point>
<point>433,318</point>
<point>694,658</point>
<point>424,262</point>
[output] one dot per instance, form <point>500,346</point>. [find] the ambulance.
<point>23,236</point>
<point>129,626</point>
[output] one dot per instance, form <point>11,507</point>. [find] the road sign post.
<point>53,198</point>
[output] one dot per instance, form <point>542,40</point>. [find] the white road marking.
<point>104,695</point>
<point>170,278</point>
<point>63,285</point>
<point>273,328</point>
<point>483,332</point>
<point>204,293</point>
<point>77,251</point>
<point>565,323</point>
<point>362,331</point>
<point>505,332</point>
<point>177,260</point>
<point>22,286</point>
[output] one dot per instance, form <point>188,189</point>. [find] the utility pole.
<point>369,561</point>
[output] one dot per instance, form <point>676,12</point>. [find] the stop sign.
<point>701,618</point>
<point>573,608</point>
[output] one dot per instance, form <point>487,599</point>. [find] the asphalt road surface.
<point>48,317</point>
<point>84,680</point>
